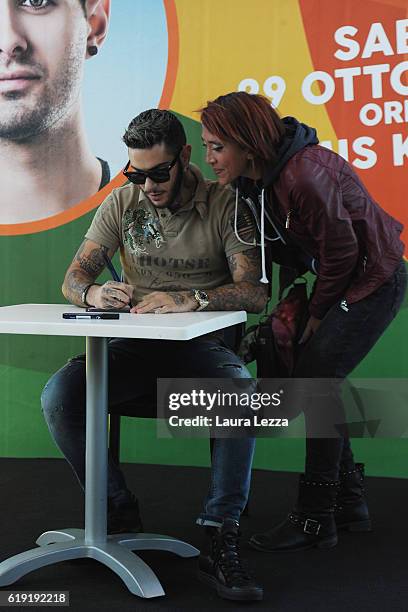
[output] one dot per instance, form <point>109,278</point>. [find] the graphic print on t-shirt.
<point>140,229</point>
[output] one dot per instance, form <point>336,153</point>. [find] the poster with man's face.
<point>74,72</point>
<point>64,65</point>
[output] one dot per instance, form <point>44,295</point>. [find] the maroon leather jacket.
<point>331,216</point>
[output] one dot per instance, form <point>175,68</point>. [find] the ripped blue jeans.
<point>134,366</point>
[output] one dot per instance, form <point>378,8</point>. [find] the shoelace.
<point>229,559</point>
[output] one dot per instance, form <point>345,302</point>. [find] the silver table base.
<point>115,553</point>
<point>92,542</point>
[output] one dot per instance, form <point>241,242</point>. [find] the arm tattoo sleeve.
<point>246,292</point>
<point>84,270</point>
<point>92,263</point>
<point>246,266</point>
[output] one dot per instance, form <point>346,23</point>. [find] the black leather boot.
<point>351,510</point>
<point>220,565</point>
<point>310,525</point>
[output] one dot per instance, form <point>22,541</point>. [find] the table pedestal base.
<point>55,546</point>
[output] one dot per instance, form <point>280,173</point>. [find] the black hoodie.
<point>297,136</point>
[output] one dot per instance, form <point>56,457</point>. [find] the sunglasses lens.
<point>139,178</point>
<point>160,176</point>
<point>136,177</point>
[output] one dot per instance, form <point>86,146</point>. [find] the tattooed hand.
<point>110,295</point>
<point>85,268</point>
<point>161,302</point>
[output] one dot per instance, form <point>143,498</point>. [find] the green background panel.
<point>33,267</point>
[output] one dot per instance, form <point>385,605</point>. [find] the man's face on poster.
<point>42,51</point>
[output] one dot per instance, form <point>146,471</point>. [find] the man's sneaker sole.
<point>227,593</point>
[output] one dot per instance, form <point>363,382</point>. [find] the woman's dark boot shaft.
<point>351,510</point>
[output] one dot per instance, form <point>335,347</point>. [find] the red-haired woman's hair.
<point>248,120</point>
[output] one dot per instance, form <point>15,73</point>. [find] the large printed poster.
<point>72,76</point>
<point>71,80</point>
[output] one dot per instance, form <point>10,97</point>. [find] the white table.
<point>93,541</point>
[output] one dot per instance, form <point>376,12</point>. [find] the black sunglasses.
<point>160,174</point>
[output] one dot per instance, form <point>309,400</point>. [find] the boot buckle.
<point>311,527</point>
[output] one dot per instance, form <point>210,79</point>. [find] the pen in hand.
<point>113,272</point>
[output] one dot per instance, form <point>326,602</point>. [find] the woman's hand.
<point>310,329</point>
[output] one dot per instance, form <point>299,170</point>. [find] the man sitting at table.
<point>179,253</point>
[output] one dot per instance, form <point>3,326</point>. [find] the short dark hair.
<point>153,127</point>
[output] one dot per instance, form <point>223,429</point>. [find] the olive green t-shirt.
<point>165,250</point>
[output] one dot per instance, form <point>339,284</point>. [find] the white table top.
<point>46,319</point>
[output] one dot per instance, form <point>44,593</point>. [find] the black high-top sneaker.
<point>125,517</point>
<point>220,565</point>
<point>351,510</point>
<point>310,525</point>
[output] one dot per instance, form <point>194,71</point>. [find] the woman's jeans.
<point>134,366</point>
<point>342,340</point>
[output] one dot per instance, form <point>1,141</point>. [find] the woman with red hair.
<point>318,215</point>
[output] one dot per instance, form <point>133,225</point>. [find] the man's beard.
<point>177,185</point>
<point>24,116</point>
<point>175,190</point>
<point>28,122</point>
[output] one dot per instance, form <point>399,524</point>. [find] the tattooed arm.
<point>245,293</point>
<point>85,268</point>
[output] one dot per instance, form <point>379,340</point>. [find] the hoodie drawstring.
<point>261,228</point>
<point>264,278</point>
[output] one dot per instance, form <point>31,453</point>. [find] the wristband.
<point>85,292</point>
